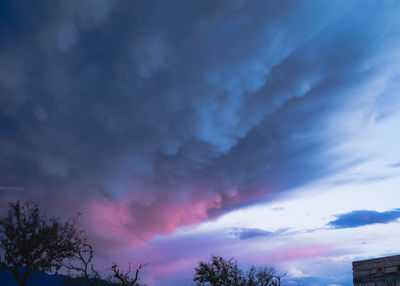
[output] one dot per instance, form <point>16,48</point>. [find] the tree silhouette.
<point>221,272</point>
<point>81,271</point>
<point>125,278</point>
<point>31,243</point>
<point>83,268</point>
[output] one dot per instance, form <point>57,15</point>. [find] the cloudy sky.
<point>262,130</point>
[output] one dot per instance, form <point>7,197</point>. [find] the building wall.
<point>384,271</point>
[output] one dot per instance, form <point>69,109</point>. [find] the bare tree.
<point>125,278</point>
<point>83,270</point>
<point>221,272</point>
<point>31,243</point>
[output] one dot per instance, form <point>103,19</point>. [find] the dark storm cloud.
<point>364,217</point>
<point>185,109</point>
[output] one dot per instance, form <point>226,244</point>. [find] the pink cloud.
<point>171,267</point>
<point>300,252</point>
<point>132,221</point>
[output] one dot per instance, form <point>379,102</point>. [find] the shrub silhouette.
<point>221,272</point>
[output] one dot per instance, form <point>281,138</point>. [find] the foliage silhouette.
<point>31,242</point>
<point>221,272</point>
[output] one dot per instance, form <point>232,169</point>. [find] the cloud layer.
<point>364,217</point>
<point>154,115</point>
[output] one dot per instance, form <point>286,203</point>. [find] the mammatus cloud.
<point>154,115</point>
<point>364,217</point>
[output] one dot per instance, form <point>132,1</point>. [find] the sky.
<point>262,130</point>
